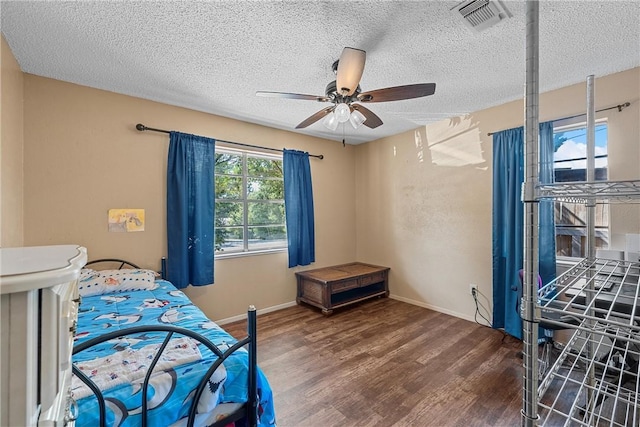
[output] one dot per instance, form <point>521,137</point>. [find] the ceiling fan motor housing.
<point>331,91</point>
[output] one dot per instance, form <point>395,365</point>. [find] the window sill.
<point>247,254</point>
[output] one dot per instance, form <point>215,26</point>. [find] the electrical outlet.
<point>473,289</point>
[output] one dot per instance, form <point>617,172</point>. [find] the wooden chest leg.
<point>327,312</point>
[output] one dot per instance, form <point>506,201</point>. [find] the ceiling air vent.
<point>482,14</point>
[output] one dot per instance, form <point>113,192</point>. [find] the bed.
<point>145,355</point>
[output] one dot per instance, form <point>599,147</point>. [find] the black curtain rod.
<point>619,107</point>
<point>142,128</point>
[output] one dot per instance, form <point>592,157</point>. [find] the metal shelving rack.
<point>596,379</point>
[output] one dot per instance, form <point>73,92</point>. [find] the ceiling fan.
<point>345,94</point>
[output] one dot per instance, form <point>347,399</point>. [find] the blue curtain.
<point>546,223</point>
<point>508,223</point>
<point>190,210</point>
<point>298,203</point>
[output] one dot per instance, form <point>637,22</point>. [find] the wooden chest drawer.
<point>343,286</point>
<point>372,278</point>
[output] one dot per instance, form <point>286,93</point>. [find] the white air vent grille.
<point>481,14</point>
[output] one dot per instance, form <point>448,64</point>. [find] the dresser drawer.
<point>343,286</point>
<point>372,278</point>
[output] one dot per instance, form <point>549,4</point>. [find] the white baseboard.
<point>259,312</point>
<point>396,297</point>
<point>434,308</point>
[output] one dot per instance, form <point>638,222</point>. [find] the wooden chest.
<point>340,285</point>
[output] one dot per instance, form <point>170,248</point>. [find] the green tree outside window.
<point>249,202</point>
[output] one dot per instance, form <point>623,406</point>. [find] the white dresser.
<point>39,294</point>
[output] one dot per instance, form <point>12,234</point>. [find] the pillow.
<point>92,282</point>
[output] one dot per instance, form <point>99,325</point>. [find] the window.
<point>569,159</point>
<point>249,202</point>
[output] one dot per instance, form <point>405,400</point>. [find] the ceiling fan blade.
<point>292,96</point>
<point>398,93</point>
<point>350,68</point>
<point>315,117</point>
<point>372,121</point>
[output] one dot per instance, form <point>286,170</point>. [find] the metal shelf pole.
<point>530,282</point>
<point>591,240</point>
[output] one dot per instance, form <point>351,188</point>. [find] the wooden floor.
<point>387,363</point>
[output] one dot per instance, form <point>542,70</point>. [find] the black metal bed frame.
<point>115,260</point>
<point>248,410</point>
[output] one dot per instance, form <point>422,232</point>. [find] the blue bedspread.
<point>171,389</point>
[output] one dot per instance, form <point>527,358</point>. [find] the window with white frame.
<point>570,165</point>
<point>249,201</point>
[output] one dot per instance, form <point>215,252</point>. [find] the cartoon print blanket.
<point>114,364</point>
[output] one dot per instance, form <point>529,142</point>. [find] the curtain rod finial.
<point>141,127</point>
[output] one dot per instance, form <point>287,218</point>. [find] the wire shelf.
<point>599,290</point>
<point>600,300</point>
<point>567,397</point>
<point>598,191</point>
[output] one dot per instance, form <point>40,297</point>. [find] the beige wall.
<point>11,142</point>
<point>423,198</point>
<point>419,202</point>
<point>84,156</point>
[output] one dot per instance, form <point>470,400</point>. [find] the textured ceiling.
<point>214,56</point>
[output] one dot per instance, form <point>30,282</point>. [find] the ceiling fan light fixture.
<point>350,68</point>
<point>330,121</point>
<point>342,112</point>
<point>357,119</point>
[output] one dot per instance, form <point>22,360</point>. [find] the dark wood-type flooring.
<point>387,363</point>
